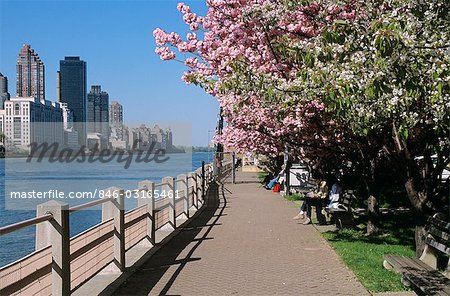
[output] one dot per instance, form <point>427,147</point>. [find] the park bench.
<point>429,274</point>
<point>342,215</point>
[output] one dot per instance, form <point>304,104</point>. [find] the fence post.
<point>168,190</point>
<point>210,177</point>
<point>211,174</point>
<point>117,210</point>
<point>43,230</point>
<point>190,195</point>
<point>183,179</point>
<point>198,182</point>
<point>194,189</point>
<point>146,191</point>
<point>60,241</point>
<point>203,181</point>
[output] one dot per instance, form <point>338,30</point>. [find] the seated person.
<point>313,198</point>
<point>335,194</point>
<point>267,179</point>
<point>275,180</point>
<point>272,183</point>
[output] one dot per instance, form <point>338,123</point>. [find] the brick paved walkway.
<point>245,243</point>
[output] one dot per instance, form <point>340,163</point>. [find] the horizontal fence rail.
<point>88,205</point>
<point>25,223</point>
<point>61,264</point>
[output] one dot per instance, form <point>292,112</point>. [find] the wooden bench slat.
<point>429,282</point>
<point>440,223</point>
<point>333,210</point>
<point>343,217</point>
<point>438,246</point>
<point>423,278</point>
<point>415,263</point>
<point>392,260</point>
<point>402,263</point>
<point>439,234</point>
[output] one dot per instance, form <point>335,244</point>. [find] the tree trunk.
<point>417,199</point>
<point>420,236</point>
<point>373,214</point>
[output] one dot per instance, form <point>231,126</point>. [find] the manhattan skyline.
<point>120,55</point>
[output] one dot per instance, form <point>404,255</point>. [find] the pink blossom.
<point>188,77</point>
<point>334,9</point>
<point>159,36</point>
<point>165,53</point>
<point>191,62</point>
<point>231,36</point>
<point>183,8</point>
<point>191,36</point>
<point>194,26</point>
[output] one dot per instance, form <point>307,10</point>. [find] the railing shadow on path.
<point>246,178</point>
<point>248,182</point>
<point>147,276</point>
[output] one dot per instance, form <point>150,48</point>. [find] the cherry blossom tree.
<point>389,74</point>
<point>338,82</point>
<point>239,59</point>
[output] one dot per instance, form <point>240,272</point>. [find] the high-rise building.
<point>30,120</point>
<point>70,135</point>
<point>163,138</point>
<point>58,86</point>
<point>115,113</point>
<point>98,111</point>
<point>4,95</point>
<point>3,84</point>
<point>2,127</point>
<point>30,74</point>
<point>169,142</point>
<point>72,90</point>
<point>119,133</point>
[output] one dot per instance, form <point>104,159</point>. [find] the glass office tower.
<point>72,90</point>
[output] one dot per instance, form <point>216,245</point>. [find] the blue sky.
<point>115,39</point>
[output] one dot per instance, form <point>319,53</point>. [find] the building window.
<point>17,128</point>
<point>17,109</point>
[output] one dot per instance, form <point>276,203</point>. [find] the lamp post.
<point>287,168</point>
<point>218,155</point>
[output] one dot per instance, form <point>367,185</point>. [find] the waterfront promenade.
<point>244,242</point>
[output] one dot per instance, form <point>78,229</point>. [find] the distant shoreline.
<point>175,150</point>
<point>87,154</point>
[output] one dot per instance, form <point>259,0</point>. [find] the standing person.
<point>237,163</point>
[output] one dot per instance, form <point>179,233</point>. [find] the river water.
<point>16,175</point>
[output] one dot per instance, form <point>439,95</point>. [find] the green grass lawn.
<point>364,255</point>
<point>261,176</point>
<point>295,197</point>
